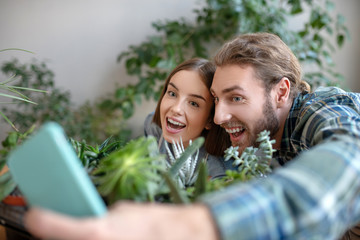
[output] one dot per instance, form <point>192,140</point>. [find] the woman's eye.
<point>194,104</point>
<point>216,100</point>
<point>171,93</point>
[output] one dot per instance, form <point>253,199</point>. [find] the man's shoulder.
<point>328,96</point>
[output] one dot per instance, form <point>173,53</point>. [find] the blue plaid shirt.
<point>316,195</point>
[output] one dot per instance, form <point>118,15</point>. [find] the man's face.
<point>241,105</point>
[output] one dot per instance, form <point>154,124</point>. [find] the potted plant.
<point>8,192</point>
<point>137,171</point>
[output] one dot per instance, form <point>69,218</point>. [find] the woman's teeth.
<point>175,124</point>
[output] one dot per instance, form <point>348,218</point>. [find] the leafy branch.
<point>13,90</point>
<point>218,21</point>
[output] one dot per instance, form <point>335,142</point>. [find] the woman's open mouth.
<point>174,126</point>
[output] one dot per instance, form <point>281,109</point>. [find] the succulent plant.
<point>253,162</point>
<point>131,172</point>
<point>187,174</point>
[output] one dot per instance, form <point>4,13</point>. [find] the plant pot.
<point>14,200</point>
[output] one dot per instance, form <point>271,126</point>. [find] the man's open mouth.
<point>235,131</point>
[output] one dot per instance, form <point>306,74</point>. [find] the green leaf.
<point>120,93</point>
<point>30,89</point>
<point>295,6</point>
<point>8,121</point>
<point>201,181</point>
<point>177,194</point>
<point>15,49</point>
<point>17,98</point>
<point>7,185</point>
<point>330,6</point>
<point>190,150</point>
<point>340,40</point>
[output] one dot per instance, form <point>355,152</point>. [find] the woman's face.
<point>185,107</point>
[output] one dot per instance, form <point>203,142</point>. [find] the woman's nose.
<point>178,107</point>
<point>222,114</point>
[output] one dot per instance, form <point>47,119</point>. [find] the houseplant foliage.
<point>53,104</point>
<point>91,122</point>
<point>150,61</point>
<point>137,171</point>
<point>13,92</point>
<point>34,99</point>
<point>218,21</point>
<point>89,155</point>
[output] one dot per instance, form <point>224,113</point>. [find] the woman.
<point>185,112</point>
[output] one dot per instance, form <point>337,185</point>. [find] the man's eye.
<point>237,99</point>
<point>194,104</point>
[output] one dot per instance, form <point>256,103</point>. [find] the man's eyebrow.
<point>192,95</point>
<point>229,89</point>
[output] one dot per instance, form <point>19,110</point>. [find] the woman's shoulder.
<point>215,164</point>
<point>151,128</point>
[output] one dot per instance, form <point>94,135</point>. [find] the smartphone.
<point>50,175</point>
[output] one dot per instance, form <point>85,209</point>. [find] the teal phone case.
<point>50,175</point>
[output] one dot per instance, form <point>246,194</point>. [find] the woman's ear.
<point>282,91</point>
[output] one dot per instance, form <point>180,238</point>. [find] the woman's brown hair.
<point>216,139</point>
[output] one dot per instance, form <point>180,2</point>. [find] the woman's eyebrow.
<point>192,95</point>
<point>173,85</point>
<point>198,96</point>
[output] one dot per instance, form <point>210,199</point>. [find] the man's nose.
<point>222,114</point>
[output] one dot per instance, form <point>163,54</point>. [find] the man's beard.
<point>269,122</point>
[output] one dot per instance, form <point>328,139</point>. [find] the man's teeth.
<point>234,130</point>
<point>175,122</point>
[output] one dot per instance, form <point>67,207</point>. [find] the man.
<point>257,86</point>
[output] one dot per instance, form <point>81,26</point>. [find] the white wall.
<point>80,40</point>
<point>347,59</point>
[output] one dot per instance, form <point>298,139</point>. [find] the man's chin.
<point>242,146</point>
<point>238,144</point>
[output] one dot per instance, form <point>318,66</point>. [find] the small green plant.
<point>90,156</point>
<point>137,171</point>
<point>253,162</point>
<point>187,174</point>
<point>131,172</point>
